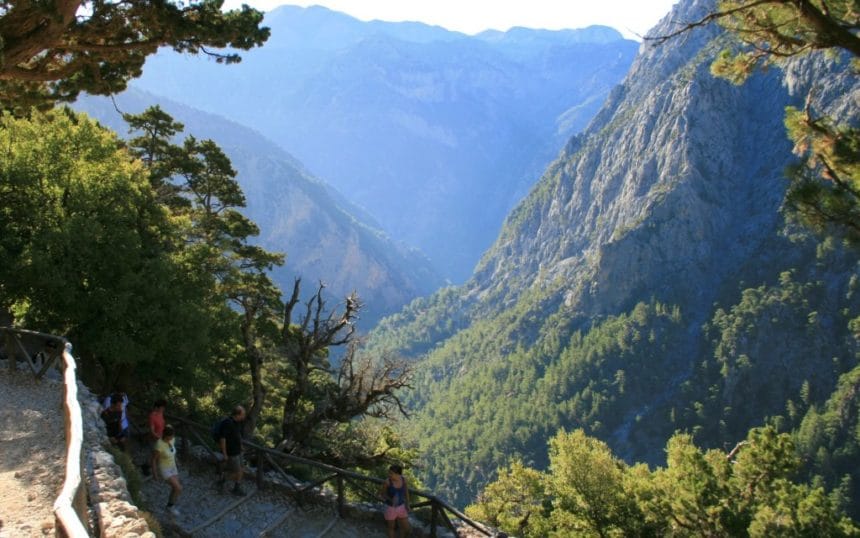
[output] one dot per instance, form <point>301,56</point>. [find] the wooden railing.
<point>440,511</point>
<point>40,351</point>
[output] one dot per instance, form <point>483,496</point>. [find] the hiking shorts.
<point>234,463</point>
<point>396,512</point>
<point>168,472</point>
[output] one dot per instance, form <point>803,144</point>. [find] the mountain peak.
<point>320,28</point>
<point>520,34</point>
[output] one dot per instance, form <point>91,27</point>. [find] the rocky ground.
<point>32,454</point>
<point>201,500</point>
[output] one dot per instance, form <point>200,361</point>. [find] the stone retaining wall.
<point>114,513</point>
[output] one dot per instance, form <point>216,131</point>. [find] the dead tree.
<point>321,393</point>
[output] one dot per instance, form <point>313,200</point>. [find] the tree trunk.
<point>258,392</point>
<point>255,364</point>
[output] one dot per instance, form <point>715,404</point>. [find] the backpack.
<point>215,431</point>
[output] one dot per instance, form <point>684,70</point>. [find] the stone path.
<point>32,454</point>
<point>201,500</point>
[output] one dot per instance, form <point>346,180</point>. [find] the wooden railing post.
<point>11,350</point>
<point>79,502</point>
<point>261,462</point>
<point>70,506</point>
<point>51,358</point>
<point>434,509</point>
<point>341,501</point>
<point>59,530</point>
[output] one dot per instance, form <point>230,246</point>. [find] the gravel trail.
<point>32,454</point>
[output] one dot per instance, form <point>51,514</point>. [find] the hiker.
<point>396,496</point>
<point>229,439</point>
<point>156,420</point>
<point>124,399</point>
<point>164,464</point>
<point>112,417</point>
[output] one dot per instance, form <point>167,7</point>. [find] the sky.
<point>632,18</point>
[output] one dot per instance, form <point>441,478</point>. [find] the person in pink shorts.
<point>396,496</point>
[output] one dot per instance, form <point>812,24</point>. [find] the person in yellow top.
<point>164,464</point>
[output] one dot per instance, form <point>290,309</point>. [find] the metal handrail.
<point>438,506</point>
<point>70,506</point>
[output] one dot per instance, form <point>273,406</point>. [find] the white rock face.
<point>676,183</point>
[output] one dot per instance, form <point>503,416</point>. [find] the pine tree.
<point>52,51</point>
<point>197,181</point>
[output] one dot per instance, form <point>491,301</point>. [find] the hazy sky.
<point>630,17</point>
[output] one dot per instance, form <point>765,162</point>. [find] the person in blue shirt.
<point>113,418</point>
<point>123,399</point>
<point>396,496</point>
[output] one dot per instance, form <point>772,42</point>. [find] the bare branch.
<point>731,455</point>
<point>707,19</point>
<point>288,309</point>
<point>218,56</point>
<point>358,386</point>
<point>320,305</point>
<point>307,318</point>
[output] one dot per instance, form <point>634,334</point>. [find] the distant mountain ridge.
<point>434,133</point>
<point>325,238</point>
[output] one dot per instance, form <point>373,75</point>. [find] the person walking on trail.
<point>113,419</point>
<point>230,442</point>
<point>123,397</point>
<point>156,420</point>
<point>164,463</point>
<point>396,496</point>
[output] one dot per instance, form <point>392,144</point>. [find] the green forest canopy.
<point>589,492</point>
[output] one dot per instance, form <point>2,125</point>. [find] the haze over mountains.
<point>325,237</point>
<point>435,134</point>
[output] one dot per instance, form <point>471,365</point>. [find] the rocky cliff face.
<point>676,182</point>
